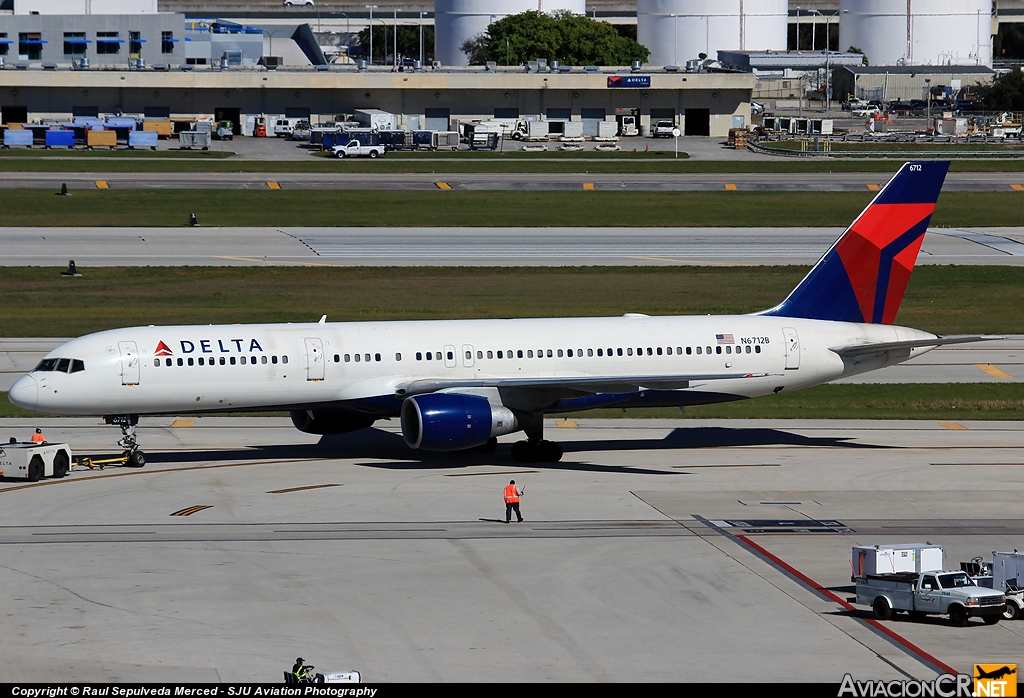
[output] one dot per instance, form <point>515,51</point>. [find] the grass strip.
<point>470,163</point>
<point>39,302</point>
<point>938,401</point>
<point>264,207</point>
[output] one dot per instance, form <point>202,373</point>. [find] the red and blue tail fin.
<point>864,274</point>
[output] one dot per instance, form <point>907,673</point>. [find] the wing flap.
<point>584,384</point>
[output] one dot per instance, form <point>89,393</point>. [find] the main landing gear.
<point>535,449</point>
<point>133,457</point>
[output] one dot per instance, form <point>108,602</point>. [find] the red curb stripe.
<point>895,637</point>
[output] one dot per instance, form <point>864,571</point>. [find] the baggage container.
<point>99,139</point>
<point>444,140</point>
<point>194,139</point>
<point>607,131</point>
<point>162,127</point>
<point>912,558</point>
<point>127,123</point>
<point>422,138</point>
<point>376,118</point>
<point>143,139</point>
<point>17,137</point>
<point>572,131</point>
<point>1007,569</point>
<point>60,139</point>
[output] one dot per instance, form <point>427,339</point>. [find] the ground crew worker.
<point>512,495</point>
<point>38,437</point>
<point>301,671</point>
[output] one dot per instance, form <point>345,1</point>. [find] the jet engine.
<point>329,421</point>
<point>453,422</point>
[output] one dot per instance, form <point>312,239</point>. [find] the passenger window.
<point>419,356</point>
<point>500,354</point>
<point>252,360</point>
<point>263,360</point>
<point>490,354</point>
<point>549,353</point>
<point>77,365</point>
<point>529,353</point>
<point>559,353</point>
<point>398,357</point>
<point>358,359</point>
<point>668,350</point>
<point>242,359</point>
<point>273,359</point>
<point>156,362</point>
<point>191,361</point>
<point>590,352</point>
<point>366,357</point>
<point>182,363</point>
<point>659,351</point>
<point>63,365</point>
<point>232,360</point>
<point>579,352</point>
<point>699,351</point>
<point>619,351</point>
<point>748,348</point>
<point>284,359</point>
<point>337,359</point>
<point>376,357</point>
<point>757,348</point>
<point>650,352</point>
<point>222,361</point>
<point>728,349</point>
<point>508,354</point>
<point>629,351</point>
<point>519,353</point>
<point>718,350</point>
<point>707,350</point>
<point>429,356</point>
<point>639,351</point>
<point>568,353</point>
<point>469,355</point>
<point>451,355</point>
<point>679,350</point>
<point>479,355</point>
<point>202,361</point>
<point>600,352</point>
<point>689,350</point>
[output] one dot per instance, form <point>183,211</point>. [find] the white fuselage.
<point>211,368</point>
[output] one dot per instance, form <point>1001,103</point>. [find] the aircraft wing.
<point>582,384</point>
<point>882,347</point>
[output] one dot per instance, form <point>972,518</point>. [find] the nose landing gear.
<point>134,458</point>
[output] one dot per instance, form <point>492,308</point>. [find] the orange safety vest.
<point>511,494</point>
<point>38,438</point>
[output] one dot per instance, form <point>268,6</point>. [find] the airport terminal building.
<point>700,103</point>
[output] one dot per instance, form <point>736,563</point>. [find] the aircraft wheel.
<point>549,452</point>
<point>136,459</point>
<point>524,452</point>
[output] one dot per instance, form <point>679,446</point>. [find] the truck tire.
<point>882,608</point>
<point>1012,611</point>
<point>373,154</point>
<point>36,469</point>
<point>957,616</point>
<point>992,620</point>
<point>61,464</point>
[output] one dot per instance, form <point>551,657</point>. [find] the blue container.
<point>143,139</point>
<point>60,139</point>
<point>422,137</point>
<point>90,122</point>
<point>18,137</point>
<point>126,123</point>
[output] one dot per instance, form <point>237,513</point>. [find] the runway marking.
<point>738,465</point>
<point>993,371</point>
<point>953,426</point>
<point>1017,187</point>
<point>589,186</point>
<point>182,423</point>
<point>690,261</point>
<point>494,472</point>
<point>443,185</point>
<point>102,184</point>
<point>975,465</point>
<point>280,261</point>
<point>566,424</point>
<point>874,187</point>
<point>273,185</point>
<point>730,187</point>
<point>191,510</point>
<point>299,489</point>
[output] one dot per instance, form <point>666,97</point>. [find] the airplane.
<point>459,384</point>
<point>995,674</point>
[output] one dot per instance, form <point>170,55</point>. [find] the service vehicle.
<point>530,131</point>
<point>225,131</point>
<point>663,129</point>
<point>952,593</point>
<point>1003,574</point>
<point>865,110</point>
<point>33,462</point>
<point>301,131</point>
<point>284,127</point>
<point>756,108</point>
<point>627,126</point>
<point>852,103</point>
<point>354,149</point>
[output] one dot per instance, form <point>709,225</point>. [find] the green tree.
<point>560,36</point>
<point>1009,42</point>
<point>408,43</point>
<point>1006,93</point>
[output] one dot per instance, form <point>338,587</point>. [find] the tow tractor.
<point>34,461</point>
<point>1002,574</point>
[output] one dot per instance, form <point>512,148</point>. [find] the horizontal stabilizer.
<point>882,347</point>
<point>584,384</point>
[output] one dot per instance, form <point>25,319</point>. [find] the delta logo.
<point>163,350</point>
<point>208,346</point>
<point>995,680</point>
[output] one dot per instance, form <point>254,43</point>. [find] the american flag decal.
<point>725,339</point>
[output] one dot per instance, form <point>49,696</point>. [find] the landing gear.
<point>536,451</point>
<point>134,458</point>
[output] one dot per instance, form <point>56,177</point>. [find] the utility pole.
<point>421,39</point>
<point>370,8</point>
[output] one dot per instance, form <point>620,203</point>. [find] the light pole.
<point>271,35</point>
<point>797,27</point>
<point>396,38</point>
<point>371,8</point>
<point>828,72</point>
<point>928,97</point>
<point>421,39</point>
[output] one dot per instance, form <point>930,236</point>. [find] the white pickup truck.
<point>952,593</point>
<point>32,462</point>
<point>356,149</point>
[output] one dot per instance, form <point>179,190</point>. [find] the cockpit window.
<point>63,365</point>
<point>77,365</point>
<point>46,365</point>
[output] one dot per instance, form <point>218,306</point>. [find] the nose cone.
<point>24,393</point>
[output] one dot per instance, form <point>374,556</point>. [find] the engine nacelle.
<point>453,422</point>
<point>329,421</point>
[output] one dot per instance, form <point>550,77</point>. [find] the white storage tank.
<point>918,32</point>
<point>455,21</point>
<point>678,30</point>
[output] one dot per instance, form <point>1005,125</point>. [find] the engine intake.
<point>453,422</point>
<point>329,421</point>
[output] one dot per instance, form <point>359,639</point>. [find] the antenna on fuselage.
<point>323,319</point>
